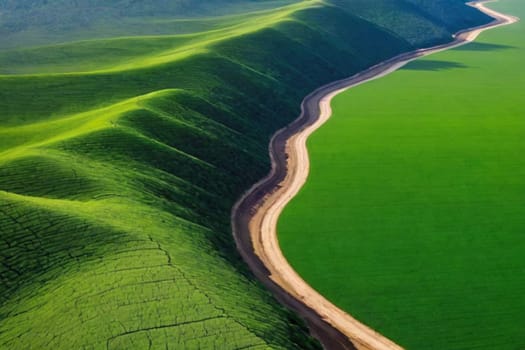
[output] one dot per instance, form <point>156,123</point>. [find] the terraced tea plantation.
<point>412,219</point>
<point>121,157</point>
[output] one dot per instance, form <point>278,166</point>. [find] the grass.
<point>33,23</point>
<point>421,15</point>
<point>120,160</point>
<point>136,52</point>
<point>412,218</point>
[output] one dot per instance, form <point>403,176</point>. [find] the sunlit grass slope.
<point>124,53</point>
<point>39,22</point>
<point>120,160</point>
<point>413,216</point>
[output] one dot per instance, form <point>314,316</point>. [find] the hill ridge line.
<point>254,216</point>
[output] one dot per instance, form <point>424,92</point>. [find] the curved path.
<point>255,215</point>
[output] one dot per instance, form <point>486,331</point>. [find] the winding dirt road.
<point>255,215</point>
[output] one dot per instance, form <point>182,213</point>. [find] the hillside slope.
<point>420,22</point>
<point>118,172</point>
<point>39,22</point>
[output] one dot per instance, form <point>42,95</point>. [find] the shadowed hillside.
<point>121,158</point>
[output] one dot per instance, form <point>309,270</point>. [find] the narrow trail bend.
<point>255,215</point>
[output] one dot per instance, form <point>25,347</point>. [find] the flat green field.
<point>413,217</point>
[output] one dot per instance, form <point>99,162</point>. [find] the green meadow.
<point>413,216</point>
<point>122,154</point>
<point>44,22</point>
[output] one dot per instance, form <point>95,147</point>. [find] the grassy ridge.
<point>30,23</point>
<point>140,52</point>
<point>414,203</point>
<point>117,178</point>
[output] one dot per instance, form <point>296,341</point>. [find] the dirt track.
<point>255,215</point>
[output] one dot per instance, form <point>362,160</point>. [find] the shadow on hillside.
<point>475,46</point>
<point>431,65</point>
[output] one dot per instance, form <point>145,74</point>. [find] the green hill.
<point>38,22</point>
<point>121,158</point>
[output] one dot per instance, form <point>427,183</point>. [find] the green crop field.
<point>121,155</point>
<point>413,217</point>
